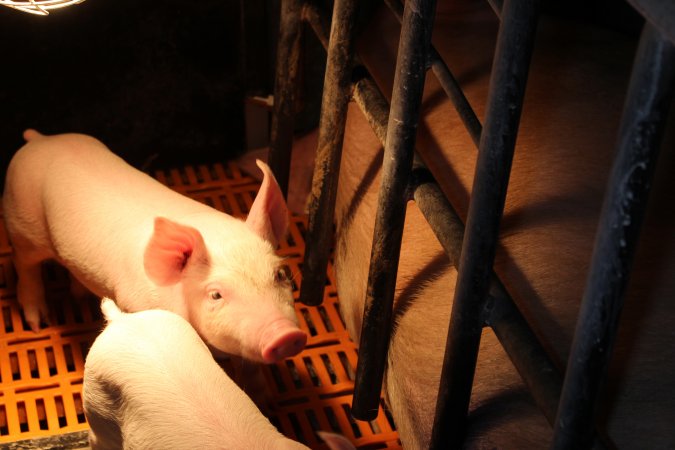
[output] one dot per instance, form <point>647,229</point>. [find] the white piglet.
<point>124,235</point>
<point>151,383</point>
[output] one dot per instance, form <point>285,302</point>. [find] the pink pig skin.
<point>124,235</point>
<point>151,383</point>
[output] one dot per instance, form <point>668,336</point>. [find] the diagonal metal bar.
<point>448,83</point>
<point>644,117</point>
<point>507,87</point>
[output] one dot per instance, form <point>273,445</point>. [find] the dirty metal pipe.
<point>337,89</point>
<point>507,87</point>
<point>287,66</point>
<point>411,66</point>
<point>448,83</point>
<point>319,21</point>
<point>521,344</point>
<point>530,359</point>
<point>374,106</point>
<point>644,116</point>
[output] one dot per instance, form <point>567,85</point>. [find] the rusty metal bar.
<point>337,90</point>
<point>287,66</point>
<point>374,106</point>
<point>645,112</point>
<point>507,87</point>
<point>411,67</point>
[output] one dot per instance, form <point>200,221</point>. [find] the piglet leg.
<point>31,293</point>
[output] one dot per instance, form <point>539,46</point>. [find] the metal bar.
<point>660,14</point>
<point>541,376</point>
<point>521,344</point>
<point>507,88</point>
<point>411,66</point>
<point>497,6</point>
<point>448,83</point>
<point>367,95</point>
<point>528,356</point>
<point>536,368</point>
<point>318,19</point>
<point>287,66</point>
<point>374,106</point>
<point>530,359</point>
<point>437,210</point>
<point>456,95</point>
<point>645,111</point>
<point>337,90</point>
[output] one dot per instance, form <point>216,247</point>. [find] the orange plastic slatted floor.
<point>41,374</point>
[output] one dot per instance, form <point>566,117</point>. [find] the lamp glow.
<point>38,7</point>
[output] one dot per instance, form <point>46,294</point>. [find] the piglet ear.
<point>171,246</point>
<point>269,214</point>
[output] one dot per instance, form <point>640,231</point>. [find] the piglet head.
<point>233,288</point>
<point>261,314</point>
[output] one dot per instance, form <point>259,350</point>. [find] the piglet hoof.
<point>35,317</point>
<point>33,323</point>
<point>286,344</point>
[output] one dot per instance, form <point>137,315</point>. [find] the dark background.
<point>163,83</point>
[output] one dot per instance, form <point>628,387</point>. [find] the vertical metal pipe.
<point>507,88</point>
<point>287,66</point>
<point>411,66</point>
<point>447,82</point>
<point>336,95</point>
<point>649,96</point>
<point>528,356</point>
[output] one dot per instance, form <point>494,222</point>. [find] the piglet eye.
<point>215,295</point>
<point>280,276</point>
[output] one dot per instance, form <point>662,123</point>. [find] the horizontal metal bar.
<point>646,107</point>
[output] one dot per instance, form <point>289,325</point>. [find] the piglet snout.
<point>281,340</point>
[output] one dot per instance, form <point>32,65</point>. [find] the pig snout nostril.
<point>286,346</point>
